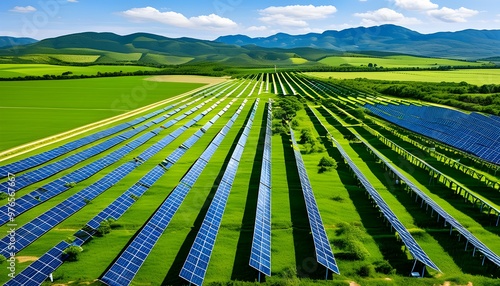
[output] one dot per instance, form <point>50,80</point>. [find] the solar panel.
<point>260,257</point>
<point>324,254</point>
<point>38,271</point>
<point>196,264</point>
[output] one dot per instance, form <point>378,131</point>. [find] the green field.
<point>360,238</point>
<point>32,110</point>
<point>472,76</point>
<point>17,70</point>
<point>396,62</point>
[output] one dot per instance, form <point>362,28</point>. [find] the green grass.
<point>396,62</point>
<point>76,58</point>
<point>21,70</point>
<point>472,76</point>
<point>164,60</point>
<point>36,109</point>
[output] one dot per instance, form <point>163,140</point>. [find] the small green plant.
<point>383,266</point>
<point>3,196</point>
<point>72,253</point>
<point>367,270</point>
<point>70,184</point>
<point>327,163</point>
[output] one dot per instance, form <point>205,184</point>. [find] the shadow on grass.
<point>305,258</point>
<point>172,277</point>
<point>241,268</point>
<point>371,219</point>
<point>422,217</point>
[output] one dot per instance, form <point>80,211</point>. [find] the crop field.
<point>187,182</point>
<point>397,62</point>
<point>472,76</point>
<point>16,70</point>
<point>40,109</point>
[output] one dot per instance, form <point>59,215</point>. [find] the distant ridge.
<point>8,42</point>
<point>466,44</point>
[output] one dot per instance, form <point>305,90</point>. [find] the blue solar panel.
<point>196,264</point>
<point>260,257</point>
<point>324,254</point>
<point>38,271</point>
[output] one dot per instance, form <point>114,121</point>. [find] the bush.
<point>383,266</point>
<point>72,253</point>
<point>367,270</point>
<point>2,259</point>
<point>327,163</point>
<point>3,196</point>
<point>295,124</point>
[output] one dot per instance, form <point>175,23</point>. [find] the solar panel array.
<point>117,207</point>
<point>33,230</point>
<point>124,269</point>
<point>260,256</point>
<point>324,254</point>
<point>416,251</point>
<point>474,133</point>
<point>58,186</point>
<point>196,264</point>
<point>493,257</point>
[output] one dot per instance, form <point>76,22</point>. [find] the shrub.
<point>383,266</point>
<point>327,163</point>
<point>72,253</point>
<point>3,196</point>
<point>2,259</point>
<point>367,270</point>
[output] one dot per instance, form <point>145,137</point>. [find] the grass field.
<point>472,76</point>
<point>17,70</point>
<point>359,237</point>
<point>397,62</point>
<point>36,109</point>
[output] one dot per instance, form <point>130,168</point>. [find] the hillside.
<point>467,44</point>
<point>141,48</point>
<point>13,41</point>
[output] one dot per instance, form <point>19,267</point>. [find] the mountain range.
<point>468,44</point>
<point>240,50</point>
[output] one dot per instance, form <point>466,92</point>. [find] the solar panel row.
<point>260,256</point>
<point>124,269</point>
<point>197,261</point>
<point>324,254</point>
<point>416,251</point>
<point>493,257</point>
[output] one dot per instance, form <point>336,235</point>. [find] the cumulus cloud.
<point>21,9</point>
<point>257,28</point>
<point>446,14</point>
<point>295,15</point>
<point>385,16</point>
<point>175,19</point>
<point>416,5</point>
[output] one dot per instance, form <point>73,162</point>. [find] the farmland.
<point>16,70</point>
<point>397,62</point>
<point>366,248</point>
<point>472,76</point>
<point>33,111</point>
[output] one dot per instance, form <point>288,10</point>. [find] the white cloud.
<point>20,9</point>
<point>416,5</point>
<point>385,16</point>
<point>73,1</point>
<point>257,28</point>
<point>295,15</point>
<point>446,14</point>
<point>171,18</point>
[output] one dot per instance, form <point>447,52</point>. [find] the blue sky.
<point>41,19</point>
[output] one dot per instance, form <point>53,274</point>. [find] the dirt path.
<point>25,148</point>
<point>22,259</point>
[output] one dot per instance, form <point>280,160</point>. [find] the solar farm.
<point>211,187</point>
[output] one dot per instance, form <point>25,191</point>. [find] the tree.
<point>370,65</point>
